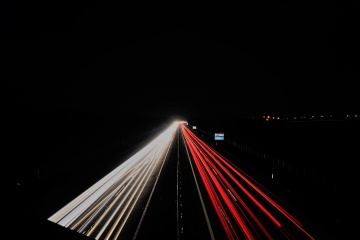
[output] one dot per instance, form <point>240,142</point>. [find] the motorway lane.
<point>159,219</point>
<point>197,221</point>
<point>175,210</point>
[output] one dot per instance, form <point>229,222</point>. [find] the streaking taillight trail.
<point>243,206</point>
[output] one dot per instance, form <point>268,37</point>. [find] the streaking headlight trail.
<point>102,210</point>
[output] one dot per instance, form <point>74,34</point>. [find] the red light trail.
<point>243,206</point>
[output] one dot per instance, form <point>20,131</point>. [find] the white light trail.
<point>103,209</point>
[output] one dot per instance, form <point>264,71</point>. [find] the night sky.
<point>181,59</point>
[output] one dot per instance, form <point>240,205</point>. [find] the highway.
<point>180,187</point>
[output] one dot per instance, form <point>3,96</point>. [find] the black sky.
<point>191,60</point>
